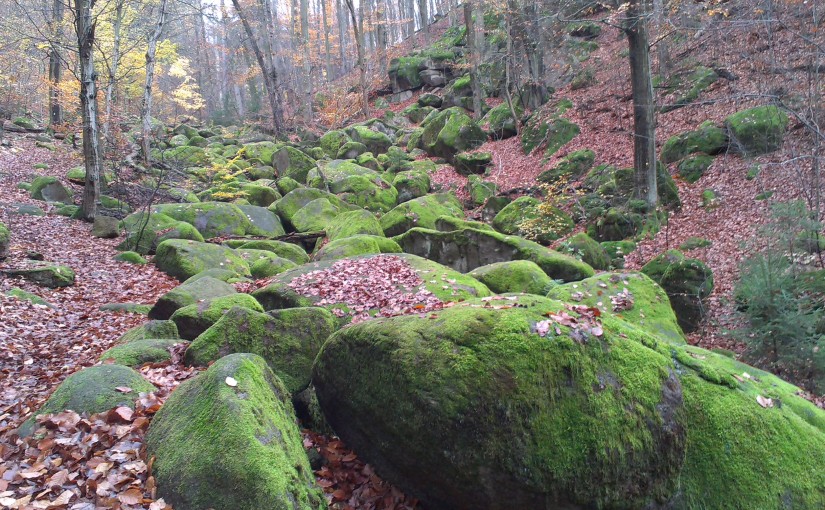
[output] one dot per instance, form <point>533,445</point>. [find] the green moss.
<point>332,141</point>
<point>411,184</point>
<point>573,166</point>
<point>131,257</point>
<point>153,329</point>
<point>480,190</point>
<point>450,132</point>
<point>259,195</point>
<point>375,141</point>
<point>135,354</point>
<point>288,251</point>
<point>44,274</point>
<point>617,250</point>
<point>708,139</point>
<point>692,169</point>
<point>420,212</point>
<point>583,247</point>
<point>697,82</point>
<point>688,283</point>
<point>468,163</point>
<point>353,223</point>
<point>194,319</point>
<point>182,259</point>
<point>290,162</point>
<point>231,447</point>
<point>189,293</point>
<point>357,245</point>
<point>287,339</point>
<point>526,217</point>
<point>261,151</point>
<point>22,295</point>
<point>693,243</point>
<point>25,123</point>
<point>50,189</point>
<point>92,390</point>
<point>212,219</point>
<point>500,122</point>
<point>757,130</point>
<point>403,73</point>
<point>514,276</point>
<point>136,308</point>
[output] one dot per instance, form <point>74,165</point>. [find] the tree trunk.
<point>204,74</point>
<point>381,36</point>
<point>146,111</point>
<point>307,62</point>
<point>327,46</point>
<point>359,46</point>
<point>55,66</point>
<point>342,35</point>
<point>85,28</point>
<point>409,13</point>
<point>110,85</point>
<point>424,15</point>
<point>470,19</point>
<point>661,44</point>
<point>644,142</point>
<point>269,75</point>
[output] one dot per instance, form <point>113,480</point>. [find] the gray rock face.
<point>105,227</point>
<point>433,78</point>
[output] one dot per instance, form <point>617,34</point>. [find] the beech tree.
<point>146,113</point>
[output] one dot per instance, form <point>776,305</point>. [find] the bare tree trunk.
<point>327,46</point>
<point>146,111</point>
<point>307,62</point>
<point>85,27</point>
<point>269,74</point>
<point>55,66</point>
<point>342,35</point>
<point>408,11</point>
<point>661,44</point>
<point>644,142</point>
<point>470,11</point>
<point>113,67</point>
<point>508,57</point>
<point>424,15</point>
<point>359,44</point>
<point>381,36</point>
<point>204,74</point>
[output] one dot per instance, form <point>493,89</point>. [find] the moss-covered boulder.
<point>182,259</point>
<point>450,132</point>
<point>25,123</point>
<point>152,329</point>
<point>356,185</point>
<point>514,276</point>
<point>500,122</point>
<point>211,219</point>
<point>584,248</point>
<point>468,163</point>
<point>290,162</point>
<point>287,339</point>
<point>469,248</point>
<point>261,151</point>
<point>563,413</point>
<point>692,169</point>
<point>375,141</point>
<point>688,283</point>
<point>227,440</point>
<point>49,189</point>
<point>631,296</point>
<point>436,280</point>
<point>352,246</point>
<point>314,216</point>
<point>295,200</point>
<point>45,274</point>
<point>420,212</point>
<point>353,223</point>
<point>403,73</point>
<point>92,390</point>
<point>526,217</point>
<point>194,319</point>
<point>261,196</point>
<point>571,167</point>
<point>411,184</point>
<point>480,190</point>
<point>757,130</point>
<point>5,239</point>
<point>707,139</point>
<point>136,353</point>
<point>617,250</point>
<point>18,293</point>
<point>332,141</point>
<point>262,221</point>
<point>284,250</point>
<point>189,293</point>
<point>616,224</point>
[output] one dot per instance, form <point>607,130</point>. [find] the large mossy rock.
<point>194,319</point>
<point>189,293</point>
<point>261,151</point>
<point>403,73</point>
<point>45,274</point>
<point>451,132</point>
<point>183,259</point>
<point>50,189</point>
<point>445,284</point>
<point>468,248</point>
<point>262,221</point>
<point>411,184</point>
<point>352,246</point>
<point>631,296</point>
<point>473,408</point>
<point>757,130</point>
<point>282,249</point>
<point>287,339</point>
<point>526,216</point>
<point>355,184</point>
<point>93,390</point>
<point>152,329</point>
<point>584,248</point>
<point>687,282</point>
<point>5,239</point>
<point>232,446</point>
<point>295,200</point>
<point>213,219</point>
<point>707,139</point>
<point>376,142</point>
<point>514,276</point>
<point>420,212</point>
<point>500,122</point>
<point>332,141</point>
<point>290,162</point>
<point>136,353</point>
<point>352,223</point>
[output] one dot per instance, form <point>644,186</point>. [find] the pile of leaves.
<point>381,286</point>
<point>348,482</point>
<point>585,324</point>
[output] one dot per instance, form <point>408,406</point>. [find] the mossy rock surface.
<point>617,250</point>
<point>524,216</point>
<point>403,73</point>
<point>130,257</point>
<point>93,390</point>
<point>468,163</point>
<point>467,249</point>
<point>296,199</point>
<point>451,132</point>
<point>287,339</point>
<point>332,141</point>
<point>49,189</point>
<point>571,167</point>
<point>32,298</point>
<point>261,151</point>
<point>352,246</point>
<point>480,190</point>
<point>584,248</point>
<point>183,259</point>
<point>189,293</point>
<point>261,196</point>
<point>353,223</point>
<point>211,219</point>
<point>232,447</point>
<point>420,212</point>
<point>25,123</point>
<point>411,184</point>
<point>617,224</point>
<point>444,283</point>
<point>376,142</point>
<point>622,420</point>
<point>136,353</point>
<point>282,249</point>
<point>701,78</point>
<point>45,274</point>
<point>135,308</point>
<point>290,162</point>
<point>688,283</point>
<point>707,139</point>
<point>152,329</point>
<point>500,122</point>
<point>692,169</point>
<point>514,276</point>
<point>143,229</point>
<point>631,296</point>
<point>5,238</point>
<point>262,221</point>
<point>757,130</point>
<point>194,319</point>
<point>315,216</point>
